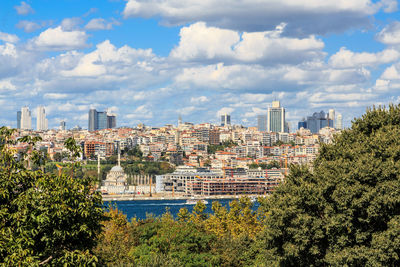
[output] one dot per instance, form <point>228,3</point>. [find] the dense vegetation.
<point>345,212</point>
<point>45,218</point>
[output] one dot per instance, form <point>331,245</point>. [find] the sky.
<point>149,61</point>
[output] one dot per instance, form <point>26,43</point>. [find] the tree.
<point>44,218</point>
<point>347,211</point>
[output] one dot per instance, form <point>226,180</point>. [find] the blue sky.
<point>151,61</point>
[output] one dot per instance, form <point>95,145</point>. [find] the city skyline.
<point>150,65</point>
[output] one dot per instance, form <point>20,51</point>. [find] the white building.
<point>26,119</point>
<point>339,122</point>
<point>276,118</point>
<point>41,121</point>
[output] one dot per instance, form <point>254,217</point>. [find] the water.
<point>139,208</point>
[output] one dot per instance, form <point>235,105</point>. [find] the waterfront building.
<point>26,119</point>
<point>276,118</point>
<point>41,121</point>
<point>116,181</point>
<point>262,123</point>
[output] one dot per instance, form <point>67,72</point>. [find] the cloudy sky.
<point>150,61</point>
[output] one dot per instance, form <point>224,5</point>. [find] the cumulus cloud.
<point>100,24</point>
<point>24,9</point>
<point>303,18</point>
<point>6,85</point>
<point>9,38</point>
<point>140,113</point>
<point>55,96</point>
<point>71,24</point>
<point>391,73</point>
<point>28,26</point>
<point>345,58</point>
<point>225,110</point>
<point>57,39</point>
<point>201,43</point>
<point>199,100</point>
<point>390,35</point>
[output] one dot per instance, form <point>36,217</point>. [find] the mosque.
<point>116,180</point>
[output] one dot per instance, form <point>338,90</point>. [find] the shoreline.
<point>135,197</point>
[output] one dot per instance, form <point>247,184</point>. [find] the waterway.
<point>141,208</point>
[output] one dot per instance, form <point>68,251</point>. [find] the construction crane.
<point>59,167</point>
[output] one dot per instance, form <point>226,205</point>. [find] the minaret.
<point>98,166</point>
<point>119,158</point>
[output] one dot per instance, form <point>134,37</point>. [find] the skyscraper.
<point>26,119</point>
<point>318,121</point>
<point>63,125</point>
<point>18,119</point>
<point>99,120</point>
<point>331,116</point>
<point>339,122</point>
<point>276,118</point>
<point>93,120</point>
<point>262,123</point>
<point>41,121</point>
<point>225,119</point>
<point>111,121</point>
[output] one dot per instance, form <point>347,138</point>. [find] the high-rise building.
<point>102,120</point>
<point>99,120</point>
<point>41,121</point>
<point>63,125</point>
<point>111,121</point>
<point>302,124</point>
<point>92,120</point>
<point>331,116</point>
<point>318,121</point>
<point>262,123</point>
<point>26,119</point>
<point>276,118</point>
<point>339,122</point>
<point>18,119</point>
<point>225,119</point>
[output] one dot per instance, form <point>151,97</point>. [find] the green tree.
<point>347,211</point>
<point>44,218</point>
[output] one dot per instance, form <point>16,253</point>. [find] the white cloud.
<point>390,35</point>
<point>225,110</point>
<point>100,24</point>
<point>140,113</point>
<point>9,38</point>
<point>24,9</point>
<point>347,59</point>
<point>200,43</point>
<point>199,100</point>
<point>305,17</point>
<point>55,96</point>
<point>71,24</point>
<point>6,85</point>
<point>58,40</point>
<point>28,26</point>
<point>391,73</point>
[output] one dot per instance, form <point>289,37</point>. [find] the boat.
<point>194,201</point>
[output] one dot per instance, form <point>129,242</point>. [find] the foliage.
<point>347,211</point>
<point>44,218</point>
<point>264,166</point>
<point>211,149</point>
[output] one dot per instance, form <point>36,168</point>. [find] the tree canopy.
<point>45,218</point>
<point>347,210</point>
